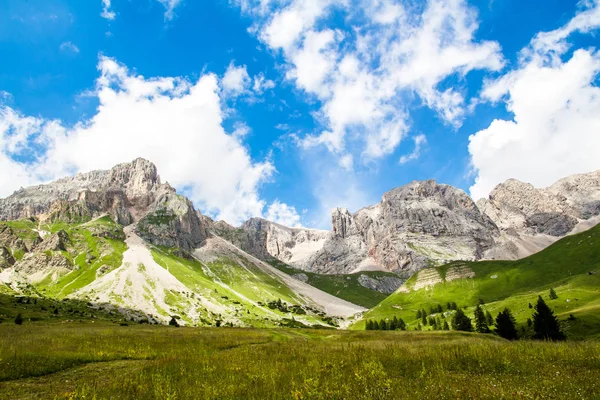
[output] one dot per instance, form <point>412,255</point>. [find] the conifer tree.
<point>481,325</point>
<point>545,323</point>
<point>369,325</point>
<point>19,319</point>
<point>419,314</point>
<point>394,324</point>
<point>489,318</point>
<point>375,326</point>
<point>446,326</point>
<point>423,318</point>
<point>460,322</point>
<point>401,324</point>
<point>505,325</point>
<point>553,295</point>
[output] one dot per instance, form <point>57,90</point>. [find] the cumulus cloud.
<point>236,80</point>
<point>106,11</point>
<point>555,101</point>
<point>174,122</point>
<point>283,214</point>
<point>420,141</point>
<point>362,71</point>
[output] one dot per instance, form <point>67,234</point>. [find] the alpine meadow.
<point>299,199</point>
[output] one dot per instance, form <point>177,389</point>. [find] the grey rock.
<point>6,258</point>
<point>381,284</point>
<point>37,262</point>
<point>125,192</point>
<point>56,242</point>
<point>172,222</point>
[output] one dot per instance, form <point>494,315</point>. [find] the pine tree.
<point>545,324</point>
<point>375,326</point>
<point>418,314</point>
<point>401,324</point>
<point>440,309</point>
<point>369,325</point>
<point>460,322</point>
<point>553,295</point>
<point>173,322</point>
<point>446,327</point>
<point>19,319</point>
<point>481,325</point>
<point>383,325</point>
<point>489,318</point>
<point>505,325</point>
<point>394,324</point>
<point>423,319</point>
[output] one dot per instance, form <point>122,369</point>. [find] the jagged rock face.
<point>34,264</point>
<point>11,240</point>
<point>6,258</point>
<point>267,240</point>
<point>532,218</point>
<point>413,226</point>
<point>55,242</point>
<point>172,222</point>
<point>520,208</point>
<point>125,192</point>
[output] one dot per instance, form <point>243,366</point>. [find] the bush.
<point>19,319</point>
<point>173,322</point>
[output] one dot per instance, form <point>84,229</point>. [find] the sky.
<point>285,109</point>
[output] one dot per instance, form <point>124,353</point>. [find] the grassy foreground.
<point>94,361</point>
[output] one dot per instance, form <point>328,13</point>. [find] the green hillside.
<point>87,261</point>
<point>344,286</point>
<point>571,266</point>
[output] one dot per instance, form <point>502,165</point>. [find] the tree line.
<point>545,324</point>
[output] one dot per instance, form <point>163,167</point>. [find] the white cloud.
<point>363,69</point>
<point>283,214</point>
<point>420,141</point>
<point>106,11</point>
<point>556,108</point>
<point>173,122</point>
<point>169,6</point>
<point>236,80</point>
<point>69,47</point>
<point>261,84</point>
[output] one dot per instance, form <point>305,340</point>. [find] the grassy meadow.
<point>108,361</point>
<point>570,266</point>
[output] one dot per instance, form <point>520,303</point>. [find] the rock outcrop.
<point>172,222</point>
<point>125,192</point>
<point>532,218</point>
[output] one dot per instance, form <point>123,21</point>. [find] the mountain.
<point>426,224</point>
<point>121,238</point>
<point>571,267</point>
<point>531,218</point>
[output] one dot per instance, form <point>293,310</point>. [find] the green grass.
<point>95,361</point>
<point>240,287</point>
<point>344,286</point>
<point>564,266</point>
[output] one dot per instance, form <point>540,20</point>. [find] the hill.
<point>571,266</point>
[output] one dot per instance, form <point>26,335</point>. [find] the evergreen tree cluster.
<point>545,325</point>
<point>386,324</point>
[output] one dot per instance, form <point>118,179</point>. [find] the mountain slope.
<point>121,237</point>
<point>571,266</point>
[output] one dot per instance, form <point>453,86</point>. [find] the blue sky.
<point>287,108</point>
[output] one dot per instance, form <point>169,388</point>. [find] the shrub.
<point>19,319</point>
